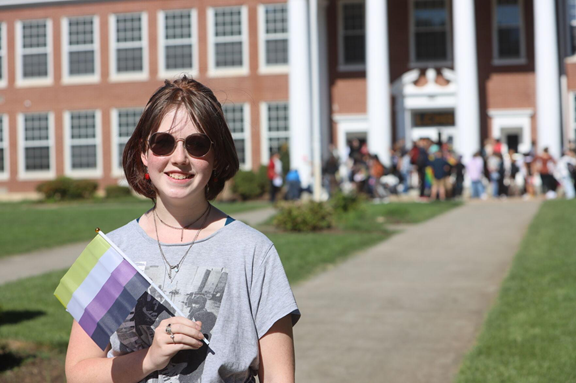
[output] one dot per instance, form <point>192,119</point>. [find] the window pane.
<point>276,19</point>
<point>241,150</point>
<point>234,115</point>
<point>431,46</point>
<point>34,34</point>
<point>353,17</point>
<point>509,43</point>
<point>276,144</point>
<point>82,125</point>
<point>127,121</point>
<point>278,118</point>
<point>277,52</point>
<point>228,22</point>
<point>1,129</point>
<point>228,54</point>
<point>37,158</point>
<point>2,160</point>
<point>80,31</point>
<point>81,62</point>
<point>35,65</point>
<point>84,157</point>
<point>178,25</point>
<point>129,60</point>
<point>35,127</point>
<point>128,28</point>
<point>1,67</point>
<point>354,49</point>
<point>1,37</point>
<point>120,152</point>
<point>179,56</point>
<point>573,38</point>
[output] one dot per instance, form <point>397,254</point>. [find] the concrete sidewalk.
<point>43,261</point>
<point>408,309</point>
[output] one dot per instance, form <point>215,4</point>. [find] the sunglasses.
<point>164,144</point>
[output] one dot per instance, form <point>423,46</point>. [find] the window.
<point>129,54</point>
<point>273,37</point>
<point>237,117</point>
<point>430,32</point>
<point>124,122</point>
<point>80,53</point>
<point>82,138</point>
<point>508,34</point>
<point>228,41</point>
<point>276,128</point>
<point>352,46</point>
<point>3,146</point>
<point>35,52</point>
<point>178,52</point>
<point>36,156</point>
<point>572,26</point>
<point>3,71</point>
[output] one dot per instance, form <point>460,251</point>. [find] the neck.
<point>180,215</point>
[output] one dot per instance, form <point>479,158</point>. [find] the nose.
<point>179,156</point>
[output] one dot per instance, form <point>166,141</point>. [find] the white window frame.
<point>519,120</point>
<point>522,60</point>
<point>3,53</point>
<point>116,170</point>
<point>263,37</point>
<point>246,136</point>
<point>244,70</point>
<point>68,142</point>
<point>430,64</point>
<point>265,135</point>
<point>31,175</point>
<point>167,73</point>
<point>20,51</point>
<point>571,56</point>
<point>342,67</point>
<point>113,45</point>
<point>66,49</point>
<point>5,144</point>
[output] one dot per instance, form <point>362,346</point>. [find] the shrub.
<point>310,216</point>
<point>343,203</point>
<point>263,181</point>
<point>117,191</point>
<point>246,185</point>
<point>64,188</point>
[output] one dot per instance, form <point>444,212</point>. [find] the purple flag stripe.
<point>106,296</point>
<point>119,310</point>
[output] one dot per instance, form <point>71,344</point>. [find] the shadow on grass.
<point>17,316</point>
<point>9,360</point>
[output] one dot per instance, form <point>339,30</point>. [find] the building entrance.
<point>435,125</point>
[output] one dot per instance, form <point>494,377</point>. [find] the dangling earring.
<point>147,177</point>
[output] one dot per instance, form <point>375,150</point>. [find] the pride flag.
<point>101,288</point>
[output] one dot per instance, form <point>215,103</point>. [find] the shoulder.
<point>122,232</point>
<point>247,241</point>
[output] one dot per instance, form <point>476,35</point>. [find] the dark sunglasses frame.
<point>176,140</point>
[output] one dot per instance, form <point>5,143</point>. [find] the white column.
<point>548,122</point>
<point>378,80</point>
<point>299,90</point>
<point>466,66</point>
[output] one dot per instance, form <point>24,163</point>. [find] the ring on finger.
<point>172,337</point>
<point>169,330</point>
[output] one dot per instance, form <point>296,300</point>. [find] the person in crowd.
<point>294,185</point>
<point>564,169</point>
<point>494,162</point>
<point>421,165</point>
<point>475,170</point>
<point>440,169</point>
<point>544,165</point>
<point>180,155</point>
<point>376,169</point>
<point>330,172</point>
<point>405,168</point>
<point>459,170</point>
<point>275,175</point>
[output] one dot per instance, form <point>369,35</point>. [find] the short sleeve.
<point>270,294</point>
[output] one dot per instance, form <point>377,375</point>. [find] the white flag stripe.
<point>93,283</point>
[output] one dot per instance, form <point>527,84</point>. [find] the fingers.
<point>182,333</point>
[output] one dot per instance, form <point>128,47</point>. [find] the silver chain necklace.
<point>182,227</point>
<point>176,267</point>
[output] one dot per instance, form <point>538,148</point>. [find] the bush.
<point>117,191</point>
<point>263,181</point>
<point>64,188</point>
<point>343,203</point>
<point>310,216</point>
<point>246,185</point>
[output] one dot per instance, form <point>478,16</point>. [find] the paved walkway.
<point>408,309</point>
<point>43,261</point>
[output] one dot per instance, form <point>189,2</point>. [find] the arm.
<point>277,353</point>
<point>86,362</point>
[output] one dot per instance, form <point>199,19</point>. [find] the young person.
<point>225,276</point>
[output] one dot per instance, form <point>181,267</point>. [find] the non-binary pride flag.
<point>100,289</point>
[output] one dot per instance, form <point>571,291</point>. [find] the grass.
<point>530,333</point>
<point>31,226</point>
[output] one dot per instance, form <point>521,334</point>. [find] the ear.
<point>144,158</point>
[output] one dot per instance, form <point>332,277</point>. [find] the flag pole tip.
<point>97,230</point>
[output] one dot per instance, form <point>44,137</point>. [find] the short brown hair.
<point>205,112</point>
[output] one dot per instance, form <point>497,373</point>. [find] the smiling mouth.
<point>179,176</point>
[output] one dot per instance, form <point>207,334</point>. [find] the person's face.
<point>179,175</point>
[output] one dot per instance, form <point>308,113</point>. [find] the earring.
<point>147,177</point>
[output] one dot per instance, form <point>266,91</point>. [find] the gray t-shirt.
<point>232,281</point>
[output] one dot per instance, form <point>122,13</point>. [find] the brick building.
<point>75,75</point>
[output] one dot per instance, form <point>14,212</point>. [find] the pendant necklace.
<point>176,267</point>
<point>183,227</point>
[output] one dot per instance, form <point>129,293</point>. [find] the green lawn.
<point>31,226</point>
<point>530,333</point>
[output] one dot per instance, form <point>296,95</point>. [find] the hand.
<point>186,335</point>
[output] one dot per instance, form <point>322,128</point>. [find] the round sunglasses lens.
<point>162,144</point>
<point>197,145</point>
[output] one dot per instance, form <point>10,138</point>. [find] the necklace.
<point>183,227</point>
<point>176,267</point>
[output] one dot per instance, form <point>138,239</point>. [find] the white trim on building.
<point>114,75</point>
<point>3,55</point>
<point>5,145</point>
<point>263,36</point>
<point>67,78</point>
<point>513,121</point>
<point>163,43</point>
<point>49,143</point>
<point>95,141</point>
<point>496,60</point>
<point>47,80</point>
<point>232,71</point>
